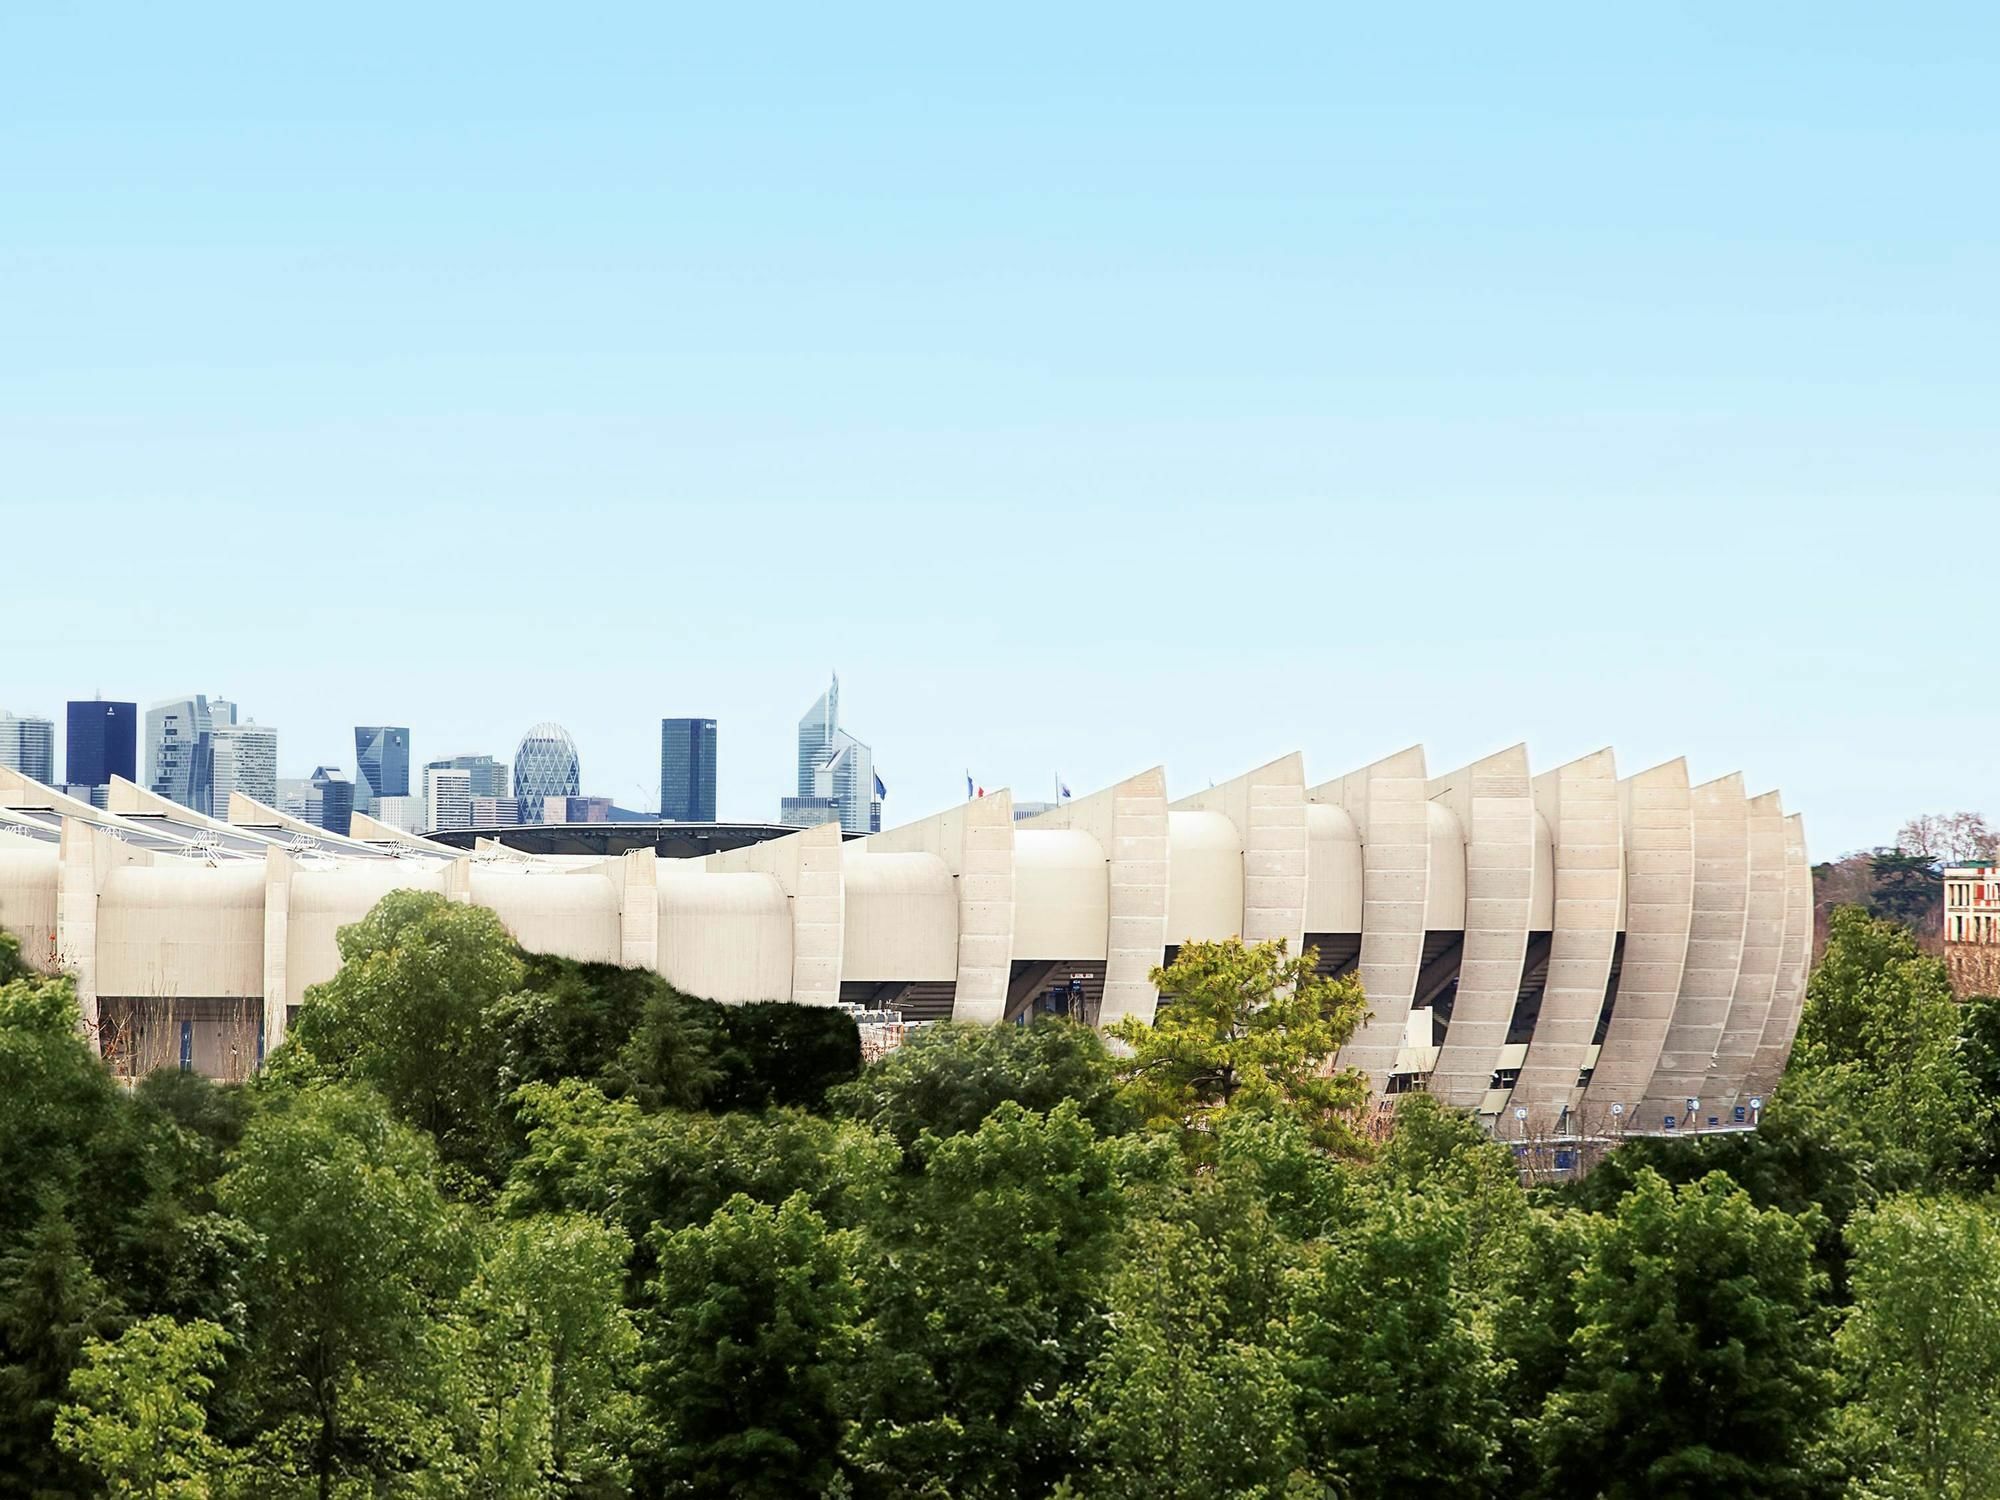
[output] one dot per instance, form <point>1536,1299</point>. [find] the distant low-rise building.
<point>405,814</point>
<point>574,810</point>
<point>496,812</point>
<point>1972,927</point>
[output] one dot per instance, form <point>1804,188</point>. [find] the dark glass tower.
<point>687,770</point>
<point>103,743</point>
<point>330,801</point>
<point>381,764</point>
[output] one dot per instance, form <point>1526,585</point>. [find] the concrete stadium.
<point>1567,953</point>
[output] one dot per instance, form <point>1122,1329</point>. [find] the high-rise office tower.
<point>381,764</point>
<point>490,777</point>
<point>687,770</point>
<point>221,711</point>
<point>28,745</point>
<point>330,800</point>
<point>180,752</point>
<point>545,765</point>
<point>448,798</point>
<point>103,742</point>
<point>246,761</point>
<point>834,767</point>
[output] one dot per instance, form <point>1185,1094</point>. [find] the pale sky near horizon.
<point>1091,386</point>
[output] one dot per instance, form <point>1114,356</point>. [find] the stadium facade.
<point>1569,952</point>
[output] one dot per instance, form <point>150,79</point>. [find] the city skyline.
<point>751,795</point>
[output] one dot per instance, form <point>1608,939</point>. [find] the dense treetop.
<point>496,1224</point>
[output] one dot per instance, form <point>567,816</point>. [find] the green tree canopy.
<point>138,1417</point>
<point>1245,1029</point>
<point>1699,1360</point>
<point>1921,1351</point>
<point>553,1349</point>
<point>357,1258</point>
<point>409,1012</point>
<point>984,1276</point>
<point>752,1326</point>
<point>948,1078</point>
<point>1879,1040</point>
<point>609,1158</point>
<point>1186,1399</point>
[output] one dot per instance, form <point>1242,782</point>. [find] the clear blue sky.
<point>1092,386</point>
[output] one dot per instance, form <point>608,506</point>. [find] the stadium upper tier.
<point>1569,952</point>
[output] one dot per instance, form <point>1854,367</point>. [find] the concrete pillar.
<point>639,911</point>
<point>1714,951</point>
<point>1494,805</point>
<point>278,866</point>
<point>1794,961</point>
<point>1658,812</point>
<point>1390,804</point>
<point>78,878</point>
<point>1581,803</point>
<point>1757,974</point>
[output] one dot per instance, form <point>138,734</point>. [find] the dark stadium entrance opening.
<point>1604,1011</point>
<point>1430,1011</point>
<point>1073,988</point>
<point>1527,1011</point>
<point>222,1039</point>
<point>901,1000</point>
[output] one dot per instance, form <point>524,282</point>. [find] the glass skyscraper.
<point>180,752</point>
<point>103,742</point>
<point>545,765</point>
<point>835,766</point>
<point>687,770</point>
<point>28,745</point>
<point>381,764</point>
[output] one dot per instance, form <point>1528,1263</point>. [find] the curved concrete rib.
<point>1789,993</point>
<point>1268,807</point>
<point>1757,974</point>
<point>976,842</point>
<point>1714,951</point>
<point>1494,804</point>
<point>807,867</point>
<point>85,855</point>
<point>1659,901</point>
<point>1129,821</point>
<point>1389,802</point>
<point>1581,802</point>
